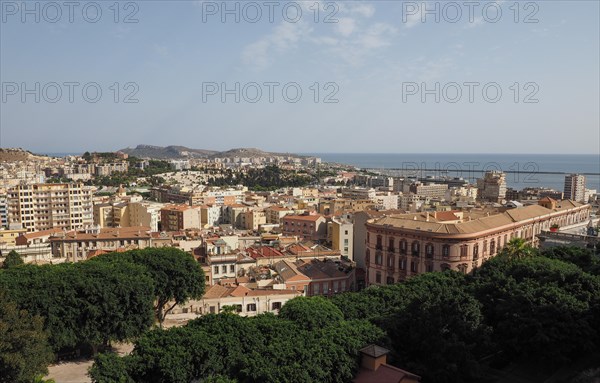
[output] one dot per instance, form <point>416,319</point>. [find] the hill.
<point>181,152</point>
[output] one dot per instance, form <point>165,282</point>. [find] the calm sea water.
<point>472,166</point>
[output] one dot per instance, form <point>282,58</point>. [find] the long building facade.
<point>400,246</point>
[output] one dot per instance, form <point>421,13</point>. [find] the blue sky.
<point>369,57</point>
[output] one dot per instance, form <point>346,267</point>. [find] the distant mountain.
<point>181,152</point>
<point>168,152</point>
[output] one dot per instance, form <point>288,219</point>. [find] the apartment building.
<point>575,187</point>
<point>399,246</point>
<point>430,190</point>
<point>45,206</point>
<point>359,193</point>
<point>9,236</point>
<point>106,169</point>
<point>311,227</point>
<point>275,213</point>
<point>180,217</point>
<point>3,212</point>
<point>127,214</point>
<point>342,236</point>
<point>492,187</point>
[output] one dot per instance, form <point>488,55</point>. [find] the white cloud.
<point>345,26</point>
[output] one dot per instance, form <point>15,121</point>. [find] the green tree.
<point>541,309</point>
<point>517,248</point>
<point>109,368</point>
<point>12,259</point>
<point>177,276</point>
<point>265,348</point>
<point>584,258</point>
<point>24,349</point>
<point>439,333</point>
<point>311,313</point>
<point>84,303</point>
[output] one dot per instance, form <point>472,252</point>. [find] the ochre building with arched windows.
<point>399,246</point>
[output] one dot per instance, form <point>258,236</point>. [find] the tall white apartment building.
<point>575,187</point>
<point>46,206</point>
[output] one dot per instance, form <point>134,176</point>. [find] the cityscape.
<point>300,191</point>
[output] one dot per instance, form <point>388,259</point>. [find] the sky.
<point>304,76</point>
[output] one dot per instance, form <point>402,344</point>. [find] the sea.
<point>523,170</point>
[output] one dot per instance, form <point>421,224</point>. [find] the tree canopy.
<point>24,348</point>
<point>12,259</point>
<point>230,348</point>
<point>177,276</point>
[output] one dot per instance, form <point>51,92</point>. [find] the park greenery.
<point>270,177</point>
<point>80,308</point>
<point>265,348</point>
<point>525,307</point>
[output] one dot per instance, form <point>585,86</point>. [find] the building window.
<point>463,250</point>
<point>463,268</point>
<point>379,245</point>
<point>413,266</point>
<point>251,307</point>
<point>368,256</point>
<point>484,247</point>
<point>232,269</point>
<point>336,286</point>
<point>378,258</point>
<point>429,250</point>
<point>445,267</point>
<point>446,251</point>
<point>224,269</point>
<point>316,290</point>
<point>402,264</point>
<point>492,247</point>
<point>343,288</point>
<point>416,249</point>
<point>216,269</point>
<point>378,277</point>
<point>276,306</point>
<point>403,246</point>
<point>325,288</point>
<point>390,261</point>
<point>476,251</point>
<point>391,245</point>
<point>390,280</point>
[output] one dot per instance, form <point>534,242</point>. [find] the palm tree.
<point>517,248</point>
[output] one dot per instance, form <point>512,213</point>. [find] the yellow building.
<point>8,236</point>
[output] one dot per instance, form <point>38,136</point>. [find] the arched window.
<point>403,246</point>
<point>429,250</point>
<point>402,263</point>
<point>416,248</point>
<point>445,251</point>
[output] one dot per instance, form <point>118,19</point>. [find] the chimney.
<point>373,356</point>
